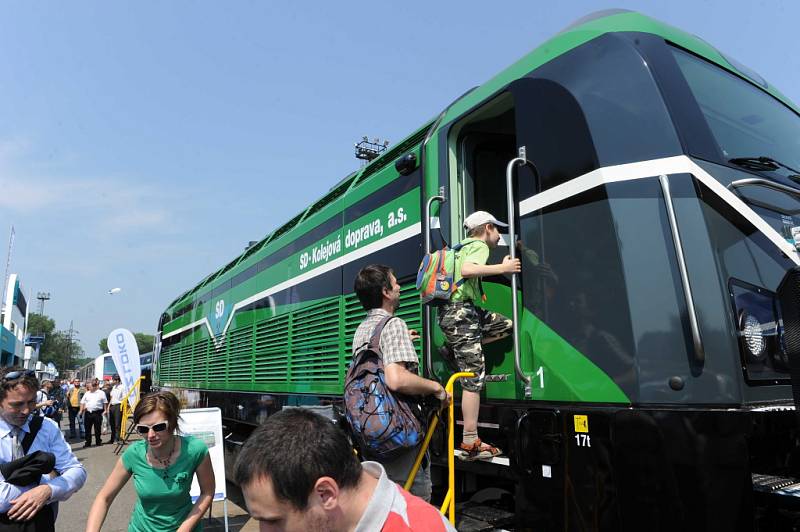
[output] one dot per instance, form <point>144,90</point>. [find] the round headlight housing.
<point>753,335</point>
<point>759,330</point>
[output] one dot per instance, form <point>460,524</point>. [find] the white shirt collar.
<point>5,427</point>
<point>381,501</point>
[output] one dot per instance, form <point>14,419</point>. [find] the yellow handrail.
<point>449,504</point>
<point>125,405</point>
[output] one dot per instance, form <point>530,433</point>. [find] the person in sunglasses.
<point>24,505</point>
<point>162,465</point>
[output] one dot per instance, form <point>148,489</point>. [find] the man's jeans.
<point>73,413</point>
<point>115,421</point>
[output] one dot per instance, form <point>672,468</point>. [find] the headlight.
<point>751,331</point>
<point>759,328</point>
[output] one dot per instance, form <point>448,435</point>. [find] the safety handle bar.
<point>426,310</point>
<point>449,504</point>
<point>694,322</point>
<point>521,160</point>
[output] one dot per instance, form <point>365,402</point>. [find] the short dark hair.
<point>165,402</point>
<point>294,449</point>
<point>369,285</point>
<point>27,378</point>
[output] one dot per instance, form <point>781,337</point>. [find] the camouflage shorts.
<point>465,326</point>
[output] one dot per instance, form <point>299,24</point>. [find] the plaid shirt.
<point>396,344</point>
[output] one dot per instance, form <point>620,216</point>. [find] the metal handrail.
<point>694,323</point>
<point>427,309</point>
<point>449,504</point>
<point>521,160</point>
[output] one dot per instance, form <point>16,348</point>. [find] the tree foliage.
<point>38,324</point>
<point>144,342</point>
<point>58,347</point>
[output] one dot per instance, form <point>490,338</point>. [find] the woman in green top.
<point>162,466</point>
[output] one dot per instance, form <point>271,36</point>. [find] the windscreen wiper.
<point>761,163</point>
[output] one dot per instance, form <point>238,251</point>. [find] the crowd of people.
<point>90,407</point>
<point>297,471</point>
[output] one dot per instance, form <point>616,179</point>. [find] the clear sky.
<point>143,144</point>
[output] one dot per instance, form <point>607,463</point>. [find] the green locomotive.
<point>654,204</point>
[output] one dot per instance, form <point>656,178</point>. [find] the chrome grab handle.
<point>512,245</point>
<point>426,312</point>
<point>694,324</point>
<point>766,183</point>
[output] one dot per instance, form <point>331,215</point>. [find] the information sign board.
<point>206,425</point>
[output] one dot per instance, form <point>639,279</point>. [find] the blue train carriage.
<point>654,199</point>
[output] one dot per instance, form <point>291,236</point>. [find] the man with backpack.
<point>468,327</point>
<point>47,403</point>
<point>37,465</point>
<point>379,294</point>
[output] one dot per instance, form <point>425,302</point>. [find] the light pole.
<point>367,151</point>
<point>69,347</point>
<point>42,297</point>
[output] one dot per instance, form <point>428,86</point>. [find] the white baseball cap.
<point>478,218</point>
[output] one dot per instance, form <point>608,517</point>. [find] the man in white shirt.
<point>94,405</point>
<point>115,409</point>
<point>18,389</point>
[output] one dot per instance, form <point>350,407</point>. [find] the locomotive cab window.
<point>482,144</point>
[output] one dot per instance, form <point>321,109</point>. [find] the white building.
<point>45,371</point>
<point>13,319</point>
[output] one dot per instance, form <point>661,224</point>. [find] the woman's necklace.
<point>165,462</point>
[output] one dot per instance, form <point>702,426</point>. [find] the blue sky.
<point>143,144</point>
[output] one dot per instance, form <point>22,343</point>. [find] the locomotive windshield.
<point>747,123</point>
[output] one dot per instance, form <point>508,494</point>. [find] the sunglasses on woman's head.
<point>158,427</point>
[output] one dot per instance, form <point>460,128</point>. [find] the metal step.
<point>498,460</point>
<point>482,518</point>
<point>774,484</point>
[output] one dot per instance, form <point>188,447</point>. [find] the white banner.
<point>125,353</point>
<point>206,424</point>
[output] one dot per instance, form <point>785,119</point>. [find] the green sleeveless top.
<point>163,503</point>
